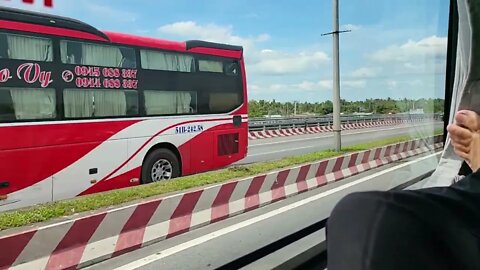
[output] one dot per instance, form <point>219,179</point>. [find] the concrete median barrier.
<point>87,238</point>
<point>263,134</point>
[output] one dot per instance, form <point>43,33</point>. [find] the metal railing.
<point>258,124</point>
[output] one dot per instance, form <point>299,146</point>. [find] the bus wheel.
<point>161,164</point>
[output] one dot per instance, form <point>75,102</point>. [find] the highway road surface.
<point>239,242</point>
<point>275,148</point>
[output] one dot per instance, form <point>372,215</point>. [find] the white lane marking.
<point>205,238</point>
<point>346,133</point>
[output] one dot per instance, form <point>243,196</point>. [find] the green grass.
<point>53,210</point>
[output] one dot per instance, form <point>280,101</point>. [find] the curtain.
<point>210,66</point>
<point>78,103</point>
<point>28,48</point>
<point>98,55</point>
<point>466,89</point>
<point>89,103</point>
<point>184,100</point>
<point>110,103</point>
<point>160,102</point>
<point>33,103</point>
<point>67,59</point>
<point>168,102</point>
<point>166,61</point>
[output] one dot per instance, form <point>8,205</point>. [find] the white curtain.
<point>29,48</point>
<point>89,103</point>
<point>210,66</point>
<point>110,103</point>
<point>160,102</point>
<point>78,103</point>
<point>67,59</point>
<point>33,103</point>
<point>166,61</point>
<point>184,99</point>
<point>98,55</point>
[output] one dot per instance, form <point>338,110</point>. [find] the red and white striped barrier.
<point>253,135</point>
<point>84,239</point>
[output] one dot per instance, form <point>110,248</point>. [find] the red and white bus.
<point>85,111</point>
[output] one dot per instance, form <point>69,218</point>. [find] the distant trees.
<point>259,108</point>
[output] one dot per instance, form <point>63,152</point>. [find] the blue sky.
<point>396,49</point>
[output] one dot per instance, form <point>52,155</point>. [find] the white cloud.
<point>432,46</point>
<point>253,87</point>
<point>392,84</point>
<point>270,62</point>
<point>304,87</point>
<point>110,13</point>
<point>263,62</point>
<point>349,26</point>
<point>354,84</point>
<point>211,32</point>
<point>365,72</point>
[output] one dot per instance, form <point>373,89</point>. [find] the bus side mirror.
<point>237,120</point>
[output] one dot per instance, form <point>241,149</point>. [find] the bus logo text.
<point>5,75</point>
<point>32,73</point>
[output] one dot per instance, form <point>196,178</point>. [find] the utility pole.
<point>295,108</point>
<point>337,129</point>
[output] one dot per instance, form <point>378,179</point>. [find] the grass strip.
<point>48,211</point>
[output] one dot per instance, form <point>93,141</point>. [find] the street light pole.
<point>336,80</point>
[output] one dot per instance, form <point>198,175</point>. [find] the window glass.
<point>27,104</point>
<point>167,61</point>
<point>96,55</point>
<point>83,103</point>
<point>22,47</point>
<point>170,102</point>
<point>232,69</point>
<point>223,102</point>
<point>210,66</point>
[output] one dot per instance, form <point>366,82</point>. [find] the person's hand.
<point>465,137</point>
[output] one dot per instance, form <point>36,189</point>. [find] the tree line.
<point>260,108</point>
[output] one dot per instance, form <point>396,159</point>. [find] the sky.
<point>396,48</point>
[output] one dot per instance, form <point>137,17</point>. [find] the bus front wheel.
<point>161,164</point>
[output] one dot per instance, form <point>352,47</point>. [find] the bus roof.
<point>195,46</point>
<point>51,22</point>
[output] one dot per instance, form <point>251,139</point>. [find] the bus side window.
<point>210,66</point>
<point>3,46</point>
<point>71,52</point>
<point>131,98</point>
<point>223,102</point>
<point>128,60</point>
<point>232,69</point>
<point>23,47</point>
<point>7,112</point>
<point>170,102</point>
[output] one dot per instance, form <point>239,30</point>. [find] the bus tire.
<point>160,165</point>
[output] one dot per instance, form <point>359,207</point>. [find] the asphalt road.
<point>275,148</point>
<point>218,244</point>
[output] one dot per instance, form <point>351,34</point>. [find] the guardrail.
<point>258,124</point>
